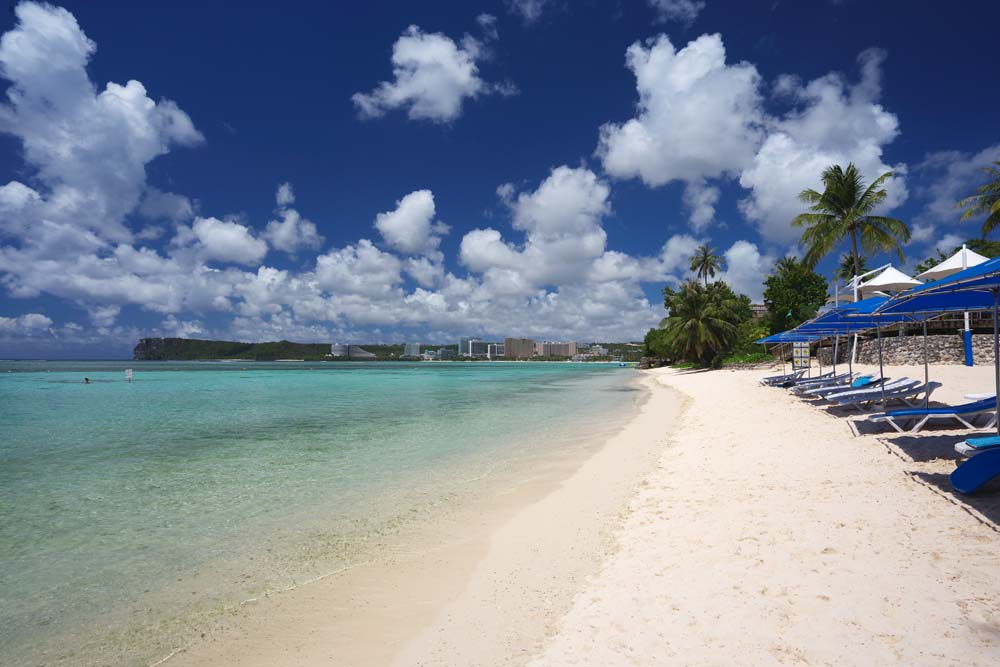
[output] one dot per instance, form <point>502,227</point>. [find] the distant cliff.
<point>188,349</point>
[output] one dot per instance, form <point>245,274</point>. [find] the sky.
<point>381,172</point>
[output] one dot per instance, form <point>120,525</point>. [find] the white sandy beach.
<point>728,523</point>
<point>769,534</point>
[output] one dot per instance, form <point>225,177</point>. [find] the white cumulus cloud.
<point>223,241</point>
<point>291,232</point>
<point>410,228</point>
<point>433,76</point>
<point>698,118</point>
<point>86,149</point>
<point>834,122</point>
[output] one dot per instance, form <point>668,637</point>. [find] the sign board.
<point>800,355</point>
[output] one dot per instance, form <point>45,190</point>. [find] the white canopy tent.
<point>962,259</point>
<point>889,280</point>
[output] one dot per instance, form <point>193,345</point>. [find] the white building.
<point>411,350</point>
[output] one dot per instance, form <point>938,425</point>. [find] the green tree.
<point>792,294</point>
<point>986,201</point>
<point>845,270</point>
<point>655,345</point>
<point>844,211</point>
<point>706,263</point>
<point>704,320</point>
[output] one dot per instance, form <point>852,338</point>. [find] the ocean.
<point>134,515</point>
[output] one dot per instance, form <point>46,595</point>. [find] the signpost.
<point>800,356</point>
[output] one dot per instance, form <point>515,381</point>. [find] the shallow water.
<point>131,515</point>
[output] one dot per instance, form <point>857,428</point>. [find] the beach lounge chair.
<point>904,390</point>
<point>793,383</point>
<point>779,379</point>
<point>832,381</point>
<point>859,383</point>
<point>960,413</point>
<point>977,471</point>
<point>974,446</point>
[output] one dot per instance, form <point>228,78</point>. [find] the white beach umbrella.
<point>962,259</point>
<point>890,280</point>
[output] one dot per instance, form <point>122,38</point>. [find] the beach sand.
<point>727,523</point>
<point>770,534</point>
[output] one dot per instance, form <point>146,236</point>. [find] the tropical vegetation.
<point>705,263</point>
<point>793,293</point>
<point>846,269</point>
<point>704,324</point>
<point>845,211</point>
<point>709,324</point>
<point>986,201</point>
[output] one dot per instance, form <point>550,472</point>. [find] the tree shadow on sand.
<point>984,505</point>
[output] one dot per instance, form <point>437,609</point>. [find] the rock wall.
<point>909,350</point>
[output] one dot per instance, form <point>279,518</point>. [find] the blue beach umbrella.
<point>975,288</point>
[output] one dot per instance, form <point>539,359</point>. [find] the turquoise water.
<point>131,515</point>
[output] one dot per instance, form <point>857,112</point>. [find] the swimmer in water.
<point>86,380</point>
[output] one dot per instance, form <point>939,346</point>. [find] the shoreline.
<point>394,609</point>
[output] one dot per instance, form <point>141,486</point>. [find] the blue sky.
<point>422,170</point>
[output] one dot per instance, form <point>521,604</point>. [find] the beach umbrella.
<point>975,288</point>
<point>960,261</point>
<point>889,280</point>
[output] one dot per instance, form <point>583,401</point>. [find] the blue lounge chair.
<point>977,471</point>
<point>843,379</point>
<point>904,390</point>
<point>801,380</point>
<point>974,446</point>
<point>779,379</point>
<point>923,415</point>
<point>862,382</point>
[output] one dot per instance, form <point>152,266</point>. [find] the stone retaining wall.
<point>909,350</point>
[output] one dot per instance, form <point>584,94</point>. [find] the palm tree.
<point>702,321</point>
<point>845,271</point>
<point>705,262</point>
<point>844,210</point>
<point>985,201</point>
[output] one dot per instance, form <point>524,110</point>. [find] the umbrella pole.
<point>927,384</point>
<point>996,358</point>
<point>881,373</point>
<point>850,363</point>
<point>836,344</point>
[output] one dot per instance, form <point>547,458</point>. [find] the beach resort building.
<point>469,347</point>
<point>411,350</point>
<point>598,351</point>
<point>519,348</point>
<point>494,350</point>
<point>553,349</point>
